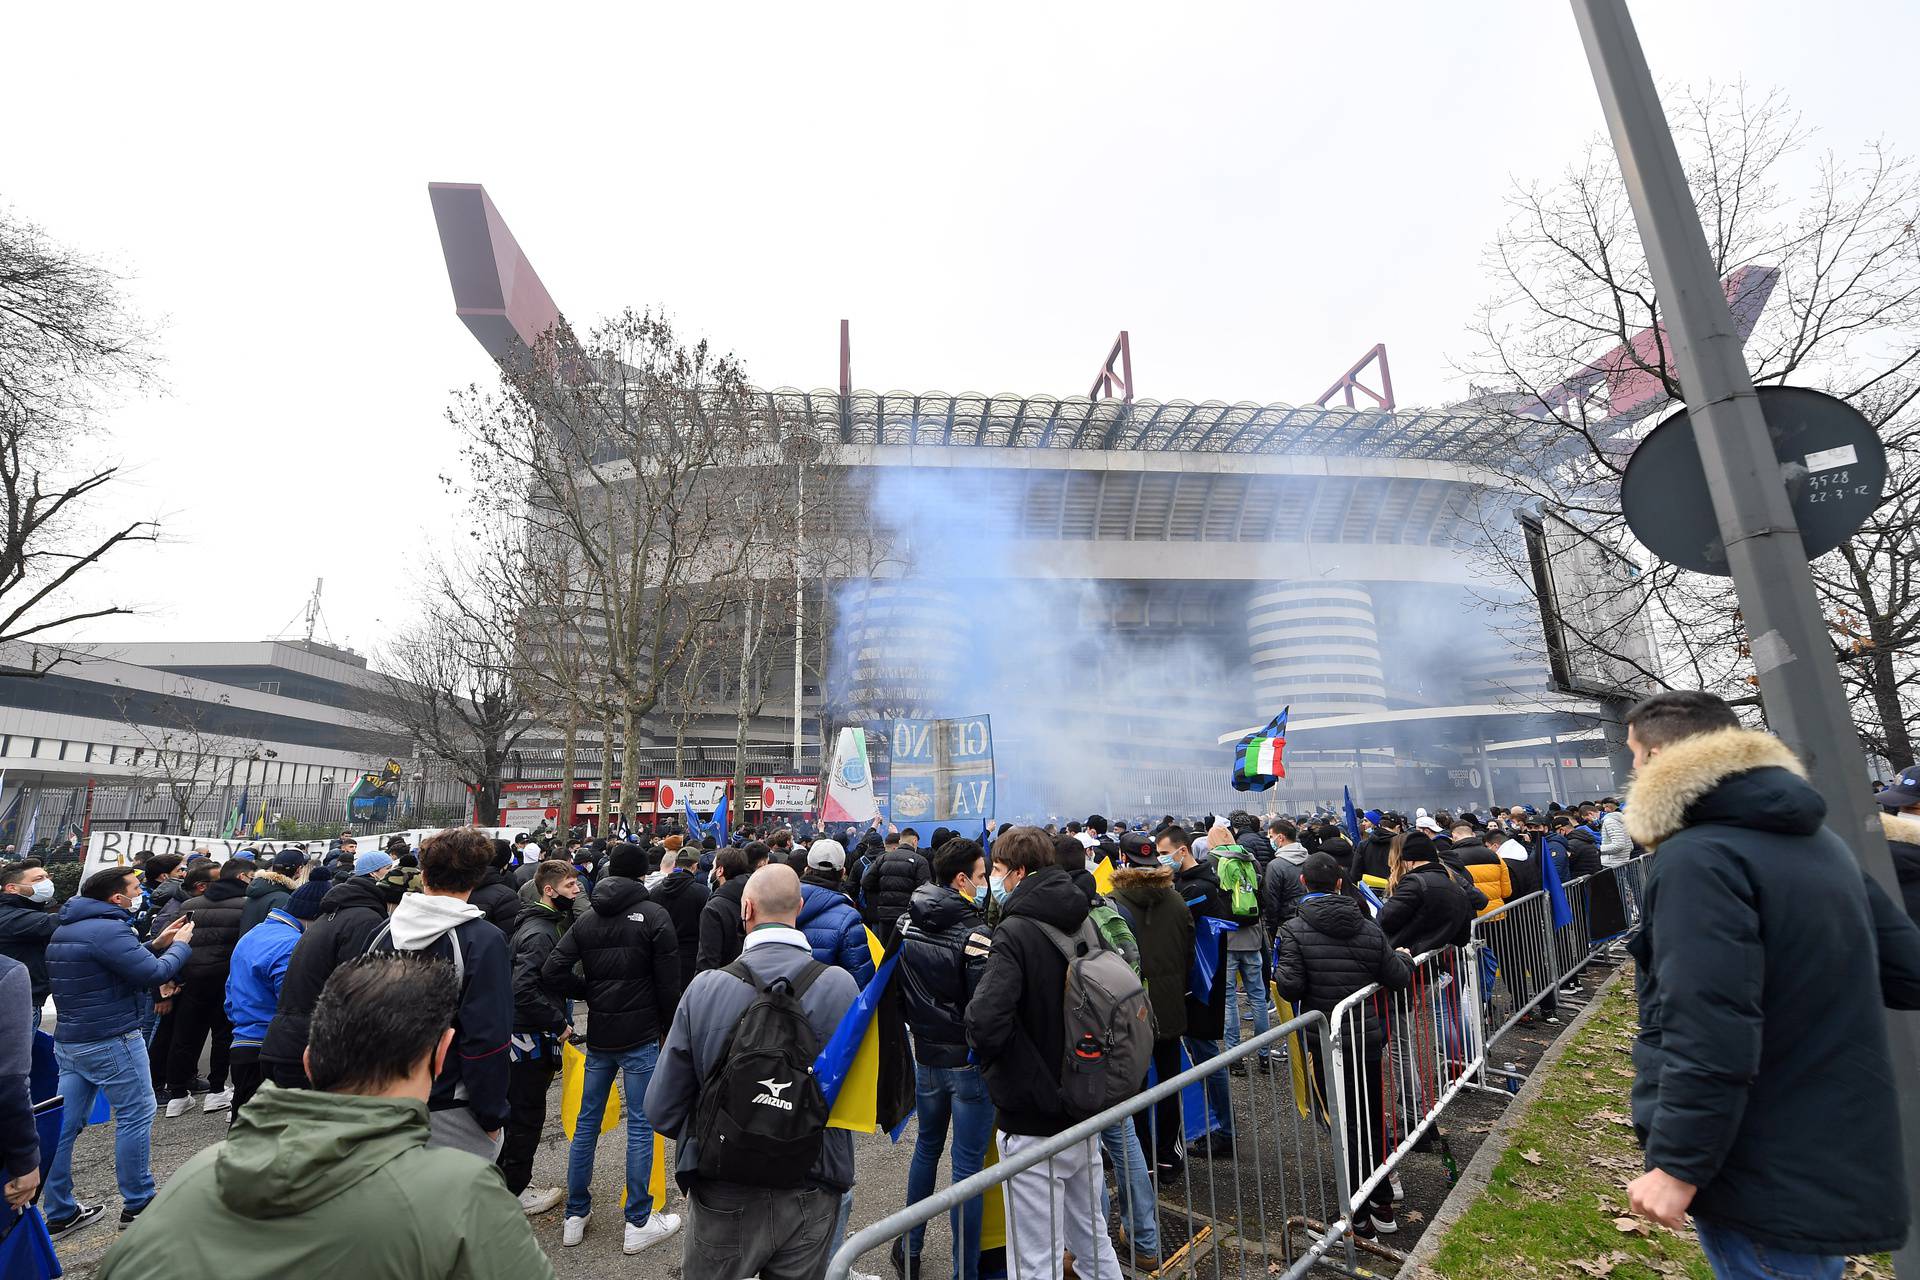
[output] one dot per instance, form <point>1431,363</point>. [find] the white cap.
<point>1424,823</point>
<point>827,853</point>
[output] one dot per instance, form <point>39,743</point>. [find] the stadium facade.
<point>1192,567</point>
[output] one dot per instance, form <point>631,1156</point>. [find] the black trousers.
<point>1366,1121</point>
<point>199,1010</point>
<point>1161,1137</point>
<point>247,1075</point>
<point>527,1083</point>
<point>160,1048</point>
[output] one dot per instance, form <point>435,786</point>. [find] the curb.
<point>1474,1178</point>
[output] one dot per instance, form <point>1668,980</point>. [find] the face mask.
<point>43,892</point>
<point>997,886</point>
<point>1168,860</point>
<point>980,895</point>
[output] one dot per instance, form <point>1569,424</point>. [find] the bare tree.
<point>631,453</point>
<point>1573,345</point>
<point>68,345</point>
<point>178,752</point>
<point>450,682</point>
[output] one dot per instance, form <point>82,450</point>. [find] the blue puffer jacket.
<point>102,977</point>
<point>835,931</point>
<point>259,967</point>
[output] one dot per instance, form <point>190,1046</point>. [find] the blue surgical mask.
<point>43,891</point>
<point>1168,860</point>
<point>981,894</point>
<point>997,886</point>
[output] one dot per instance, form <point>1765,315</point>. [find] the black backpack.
<point>761,1115</point>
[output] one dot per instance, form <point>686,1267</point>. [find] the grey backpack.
<point>1108,1024</point>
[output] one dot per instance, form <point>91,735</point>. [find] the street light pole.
<point>1792,652</point>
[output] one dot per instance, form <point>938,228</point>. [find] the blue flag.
<point>1556,892</point>
<point>1352,819</point>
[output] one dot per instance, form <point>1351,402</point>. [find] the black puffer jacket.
<point>684,895</point>
<point>888,889</point>
<point>1163,929</point>
<point>1199,888</point>
<point>535,1005</point>
<point>499,897</point>
<point>722,932</point>
<point>1903,842</point>
<point>351,913</point>
<point>1429,908</point>
<point>216,928</point>
<point>1255,842</point>
<point>629,960</point>
<point>1374,857</point>
<point>944,942</point>
<point>267,890</point>
<point>1014,1021</point>
<point>1761,1072</point>
<point>1331,950</point>
<point>1583,854</point>
<point>25,929</point>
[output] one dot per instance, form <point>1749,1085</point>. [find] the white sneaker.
<point>861,1275</point>
<point>177,1107</point>
<point>540,1199</point>
<point>574,1231</point>
<point>1399,1192</point>
<point>217,1101</point>
<point>658,1228</point>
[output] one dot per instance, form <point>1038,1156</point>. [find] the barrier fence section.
<point>1300,1161</point>
<point>1270,1209</point>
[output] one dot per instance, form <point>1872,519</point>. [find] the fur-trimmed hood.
<point>1900,829</point>
<point>1145,877</point>
<point>1666,792</point>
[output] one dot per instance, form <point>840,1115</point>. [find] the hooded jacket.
<point>1488,869</point>
<point>1280,886</point>
<point>1199,888</point>
<point>683,894</point>
<point>102,977</point>
<point>1761,1072</point>
<point>944,941</point>
<point>1429,909</point>
<point>704,1023</point>
<point>1258,847</point>
<point>498,898</point>
<point>1583,853</point>
<point>26,928</point>
<point>1250,936</point>
<point>268,889</point>
<point>330,1183</point>
<point>835,931</point>
<point>535,934</point>
<point>888,888</point>
<point>216,929</point>
<point>1903,841</point>
<point>628,962</point>
<point>1374,857</point>
<point>1163,929</point>
<point>351,913</point>
<point>1015,1021</point>
<point>721,929</point>
<point>1331,950</point>
<point>259,967</point>
<point>475,1072</point>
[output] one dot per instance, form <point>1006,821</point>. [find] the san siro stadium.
<point>1120,582</point>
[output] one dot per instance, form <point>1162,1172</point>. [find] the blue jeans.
<point>119,1069</point>
<point>1120,1145</point>
<point>960,1095</point>
<point>635,1066</point>
<point>1246,966</point>
<point>1737,1257</point>
<point>1219,1090</point>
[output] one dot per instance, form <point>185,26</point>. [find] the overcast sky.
<point>989,192</point>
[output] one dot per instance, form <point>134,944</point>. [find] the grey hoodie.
<point>708,1011</point>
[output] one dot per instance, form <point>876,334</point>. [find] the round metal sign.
<point>1833,463</point>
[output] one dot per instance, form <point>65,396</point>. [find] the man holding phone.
<point>103,979</point>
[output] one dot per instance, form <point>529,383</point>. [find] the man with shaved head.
<point>737,1229</point>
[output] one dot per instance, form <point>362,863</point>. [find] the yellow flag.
<point>260,823</point>
<point>573,1066</point>
<point>858,1106</point>
<point>1103,875</point>
<point>993,1212</point>
<point>1296,1055</point>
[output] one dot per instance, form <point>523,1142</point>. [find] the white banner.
<point>674,794</point>
<point>781,796</point>
<point>121,848</point>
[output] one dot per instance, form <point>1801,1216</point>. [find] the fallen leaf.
<point>1601,1266</point>
<point>1531,1156</point>
<point>1630,1226</point>
<point>1414,1215</point>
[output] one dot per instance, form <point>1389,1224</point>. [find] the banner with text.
<point>121,848</point>
<point>941,770</point>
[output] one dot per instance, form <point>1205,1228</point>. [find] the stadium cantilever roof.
<point>1150,426</point>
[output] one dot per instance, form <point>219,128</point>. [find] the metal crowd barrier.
<point>1272,1208</point>
<point>1329,1108</point>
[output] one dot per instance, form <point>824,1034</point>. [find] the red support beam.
<point>1349,382</point>
<point>1115,379</point>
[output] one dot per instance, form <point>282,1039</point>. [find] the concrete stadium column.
<point>1314,646</point>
